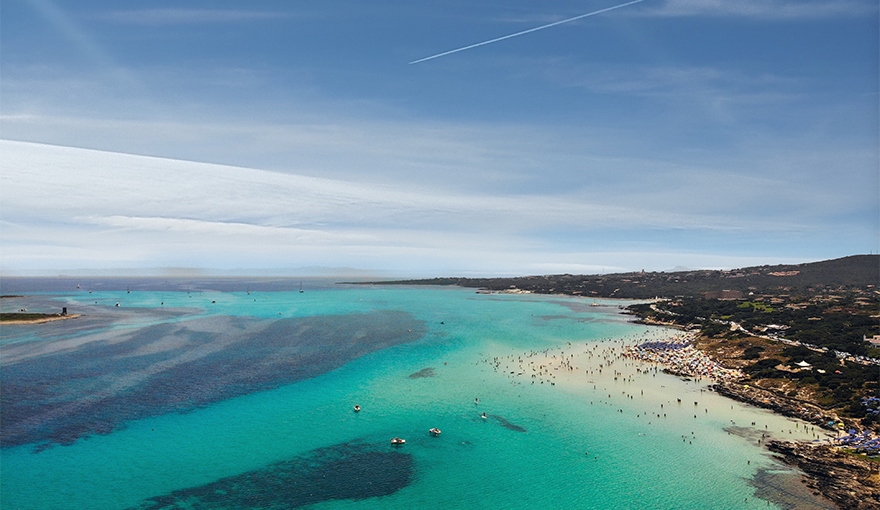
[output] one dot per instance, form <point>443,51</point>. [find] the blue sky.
<point>285,135</point>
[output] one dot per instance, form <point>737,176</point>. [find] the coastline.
<point>847,480</point>
<point>597,372</point>
<point>760,397</point>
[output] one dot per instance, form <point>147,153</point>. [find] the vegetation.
<point>857,271</point>
<point>824,324</point>
<point>26,316</point>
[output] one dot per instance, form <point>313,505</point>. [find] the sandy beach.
<point>612,370</point>
<point>676,388</point>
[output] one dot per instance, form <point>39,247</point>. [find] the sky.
<point>299,137</point>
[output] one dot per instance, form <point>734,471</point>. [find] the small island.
<point>16,318</point>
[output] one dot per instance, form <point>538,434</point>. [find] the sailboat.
<point>301,287</point>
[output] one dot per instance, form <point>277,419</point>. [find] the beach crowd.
<point>682,358</point>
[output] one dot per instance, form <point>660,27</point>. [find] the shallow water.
<point>223,395</point>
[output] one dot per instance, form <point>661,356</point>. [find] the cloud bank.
<point>68,207</point>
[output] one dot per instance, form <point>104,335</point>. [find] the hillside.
<point>857,272</point>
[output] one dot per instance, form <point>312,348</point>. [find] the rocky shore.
<point>849,480</point>
<point>785,406</point>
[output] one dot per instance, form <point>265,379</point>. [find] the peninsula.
<point>804,340</point>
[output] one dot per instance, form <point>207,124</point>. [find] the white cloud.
<point>110,183</point>
<point>68,207</point>
<point>762,9</point>
<point>171,16</point>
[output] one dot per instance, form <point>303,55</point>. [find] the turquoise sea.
<point>240,394</point>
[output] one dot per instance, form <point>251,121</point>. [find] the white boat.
<point>434,431</point>
<point>357,408</point>
<point>398,441</point>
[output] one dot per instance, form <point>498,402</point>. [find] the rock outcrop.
<point>769,400</point>
<point>849,480</point>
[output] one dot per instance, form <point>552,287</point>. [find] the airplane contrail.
<point>542,27</point>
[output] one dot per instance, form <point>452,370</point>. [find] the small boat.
<point>398,441</point>
<point>357,408</point>
<point>434,431</point>
<point>483,416</point>
<point>301,287</point>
